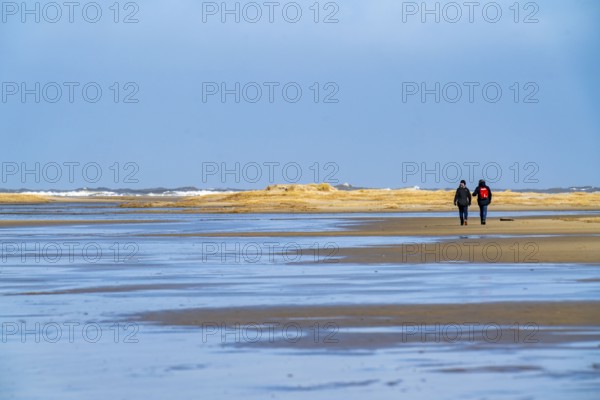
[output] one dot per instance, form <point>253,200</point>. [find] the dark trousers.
<point>483,212</point>
<point>463,213</point>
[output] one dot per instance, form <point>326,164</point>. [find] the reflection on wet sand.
<point>379,322</point>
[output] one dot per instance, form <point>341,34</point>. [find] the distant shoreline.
<point>323,198</point>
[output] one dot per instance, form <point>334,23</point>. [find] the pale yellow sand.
<point>324,198</point>
<point>13,198</point>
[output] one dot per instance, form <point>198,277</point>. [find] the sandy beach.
<point>394,283</point>
<point>533,239</point>
<point>516,324</point>
<point>542,313</point>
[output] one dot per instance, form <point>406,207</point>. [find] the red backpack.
<point>484,193</point>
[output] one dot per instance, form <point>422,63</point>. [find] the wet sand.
<point>572,239</point>
<point>532,250</point>
<point>119,289</point>
<point>389,226</point>
<point>491,324</point>
<point>41,223</point>
<point>535,239</point>
<point>548,239</point>
<point>439,226</point>
<point>569,240</point>
<point>412,324</point>
<point>503,313</point>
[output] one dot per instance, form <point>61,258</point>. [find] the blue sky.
<point>372,136</point>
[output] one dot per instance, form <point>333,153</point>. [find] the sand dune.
<point>325,198</point>
<point>13,198</point>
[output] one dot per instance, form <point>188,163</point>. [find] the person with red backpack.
<point>484,198</point>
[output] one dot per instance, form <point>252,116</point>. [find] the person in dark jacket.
<point>484,198</point>
<point>462,199</point>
